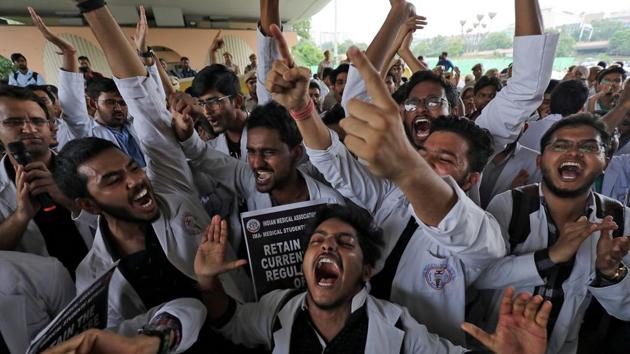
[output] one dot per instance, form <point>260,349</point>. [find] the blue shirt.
<point>128,144</point>
<point>447,64</point>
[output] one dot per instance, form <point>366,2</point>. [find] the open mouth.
<point>263,177</point>
<point>569,171</point>
<point>143,199</point>
<point>327,271</point>
<point>421,128</point>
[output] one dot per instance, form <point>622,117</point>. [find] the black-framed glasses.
<point>430,103</point>
<point>19,123</point>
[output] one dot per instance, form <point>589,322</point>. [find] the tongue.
<point>263,177</point>
<point>422,128</point>
<point>328,272</point>
<point>569,173</point>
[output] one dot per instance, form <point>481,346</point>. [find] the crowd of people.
<point>492,216</point>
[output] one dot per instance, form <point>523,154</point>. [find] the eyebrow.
<point>579,141</point>
<point>338,234</point>
<point>117,172</point>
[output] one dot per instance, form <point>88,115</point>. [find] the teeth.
<point>142,194</point>
<point>325,260</point>
<point>569,163</point>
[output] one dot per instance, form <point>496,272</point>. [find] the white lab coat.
<point>464,242</point>
<point>238,177</point>
<point>519,270</point>
<point>182,219</point>
<point>33,289</point>
<point>78,123</point>
<point>616,182</point>
<point>521,158</point>
<point>536,129</point>
<point>252,324</point>
<point>24,80</point>
<point>32,240</point>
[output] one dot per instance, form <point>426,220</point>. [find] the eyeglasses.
<point>614,81</point>
<point>18,123</point>
<point>214,101</point>
<point>430,103</point>
<point>113,102</point>
<point>586,147</point>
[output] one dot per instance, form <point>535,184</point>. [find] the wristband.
<point>90,5</point>
<point>304,113</point>
<point>147,54</point>
<point>163,334</point>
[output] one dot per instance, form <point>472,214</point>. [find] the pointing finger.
<point>283,47</point>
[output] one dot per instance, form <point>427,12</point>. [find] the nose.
<point>29,127</point>
<point>133,180</point>
<point>256,160</point>
<point>329,244</point>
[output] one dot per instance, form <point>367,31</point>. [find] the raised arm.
<point>217,43</point>
<point>534,53</point>
<point>376,135</point>
<point>266,46</point>
<point>407,55</point>
<point>66,50</point>
<point>616,115</point>
<point>403,39</point>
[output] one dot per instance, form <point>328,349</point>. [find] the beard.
<point>567,193</point>
<point>124,214</point>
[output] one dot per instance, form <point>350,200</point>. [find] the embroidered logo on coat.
<point>191,225</point>
<point>437,276</point>
<point>253,225</point>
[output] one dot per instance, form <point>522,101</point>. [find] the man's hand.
<point>63,45</point>
<point>374,130</point>
<point>96,341</point>
<point>27,205</point>
<point>287,83</point>
<point>610,252</point>
<point>40,180</point>
<point>573,234</point>
<point>217,42</point>
<point>522,327</point>
<point>210,259</point>
<point>520,179</point>
<point>185,113</point>
<point>142,30</point>
<point>405,33</point>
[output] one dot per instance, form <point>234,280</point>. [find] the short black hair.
<point>183,58</point>
<point>602,64</point>
<point>568,97</point>
<point>46,90</point>
<point>427,75</point>
<point>327,72</point>
<point>445,54</point>
<point>611,70</point>
<point>75,153</point>
<point>343,68</point>
<point>83,57</point>
<point>479,140</point>
<point>23,94</point>
<point>100,84</point>
<point>16,56</point>
<point>314,85</point>
<point>334,115</point>
<point>552,85</point>
<point>485,81</point>
<point>275,116</point>
<point>575,120</point>
<point>370,237</point>
<point>216,77</point>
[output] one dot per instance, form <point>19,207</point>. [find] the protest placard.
<point>275,243</point>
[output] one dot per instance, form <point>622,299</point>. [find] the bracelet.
<point>163,334</point>
<point>90,5</point>
<point>620,273</point>
<point>304,113</point>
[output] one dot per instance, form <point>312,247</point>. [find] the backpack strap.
<point>525,200</point>
<point>382,282</point>
<point>608,206</point>
<point>34,76</point>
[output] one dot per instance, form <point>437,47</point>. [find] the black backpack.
<point>34,76</point>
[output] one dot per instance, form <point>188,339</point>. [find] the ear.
<point>88,205</point>
<point>538,159</point>
<point>238,101</point>
<point>297,152</point>
<point>91,103</point>
<point>473,178</point>
<point>366,274</point>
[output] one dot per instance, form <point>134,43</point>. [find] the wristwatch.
<point>619,274</point>
<point>156,331</point>
<point>148,54</point>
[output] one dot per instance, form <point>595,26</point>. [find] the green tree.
<point>306,53</point>
<point>496,40</point>
<point>422,48</point>
<point>6,68</point>
<point>455,46</point>
<point>619,43</point>
<point>566,43</point>
<point>303,28</point>
<point>604,29</point>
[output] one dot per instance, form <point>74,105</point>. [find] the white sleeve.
<point>349,177</point>
<point>166,164</point>
<point>12,80</point>
<point>418,339</point>
<point>513,270</point>
<point>234,174</point>
<point>154,73</point>
<point>267,53</point>
<point>505,114</point>
<point>615,298</point>
<point>40,79</point>
<point>468,231</point>
<point>72,101</point>
<point>190,312</point>
<point>355,88</point>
